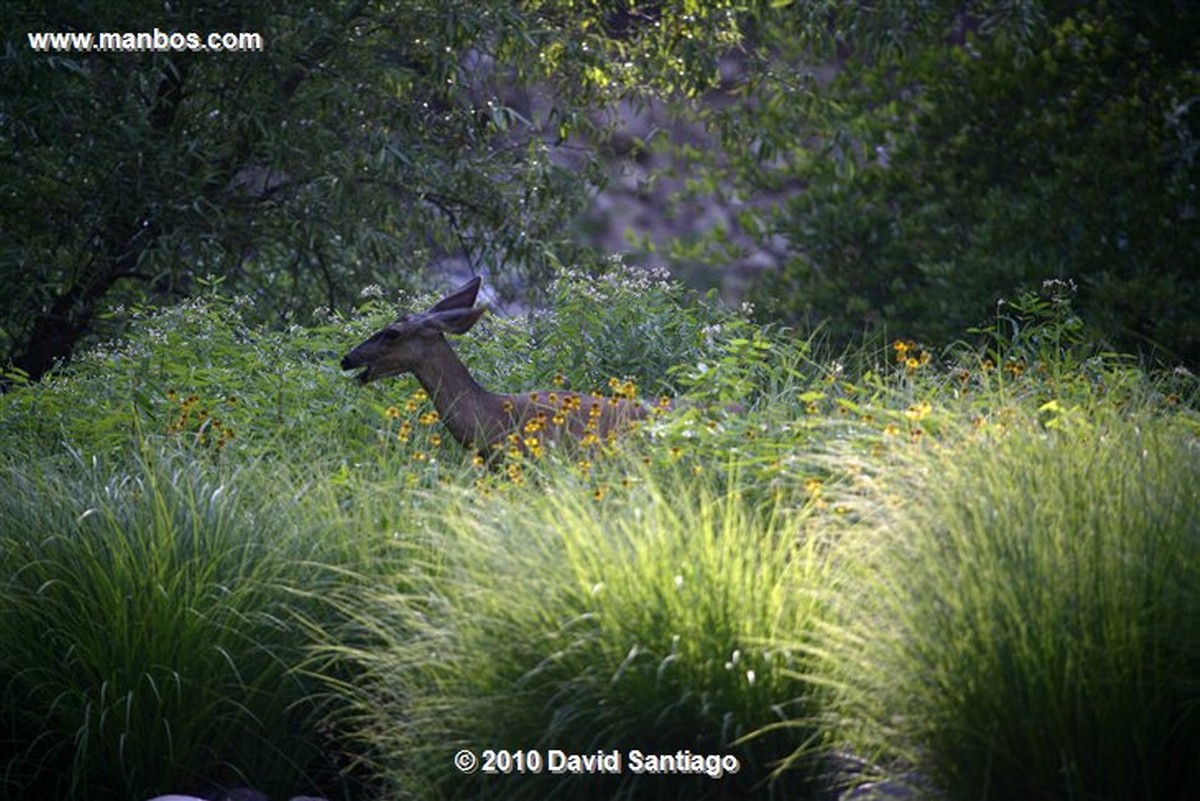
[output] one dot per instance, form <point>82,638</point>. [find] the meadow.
<point>972,566</point>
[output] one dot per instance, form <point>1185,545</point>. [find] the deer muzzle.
<point>351,362</point>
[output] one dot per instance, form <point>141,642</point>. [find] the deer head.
<point>476,417</point>
<point>411,342</point>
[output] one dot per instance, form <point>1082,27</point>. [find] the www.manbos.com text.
<point>155,40</point>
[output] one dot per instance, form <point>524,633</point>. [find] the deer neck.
<point>474,416</point>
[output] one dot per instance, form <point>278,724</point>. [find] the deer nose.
<point>348,362</point>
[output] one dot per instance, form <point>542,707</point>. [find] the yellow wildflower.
<point>918,411</point>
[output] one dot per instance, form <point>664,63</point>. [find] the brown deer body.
<point>475,417</point>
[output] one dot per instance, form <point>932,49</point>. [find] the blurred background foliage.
<point>999,155</point>
<point>917,162</point>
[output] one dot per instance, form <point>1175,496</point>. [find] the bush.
<point>196,375</point>
<point>149,637</point>
<point>601,321</point>
<point>1026,629</point>
<point>673,589</point>
<point>553,621</point>
<point>984,166</point>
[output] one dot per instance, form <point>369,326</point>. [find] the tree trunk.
<point>56,331</point>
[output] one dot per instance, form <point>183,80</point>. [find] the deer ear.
<point>456,321</point>
<point>461,298</point>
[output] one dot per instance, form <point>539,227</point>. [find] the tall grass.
<point>984,568</point>
<point>556,622</point>
<point>1027,627</point>
<point>148,637</point>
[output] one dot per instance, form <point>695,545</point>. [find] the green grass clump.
<point>978,561</point>
<point>1026,622</point>
<point>554,621</point>
<point>148,637</point>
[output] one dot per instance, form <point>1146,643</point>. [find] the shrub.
<point>983,165</point>
<point>149,642</point>
<point>1026,629</point>
<point>553,621</point>
<point>601,321</point>
<point>194,374</point>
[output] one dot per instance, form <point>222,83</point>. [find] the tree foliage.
<point>365,139</point>
<point>959,153</point>
<point>950,171</point>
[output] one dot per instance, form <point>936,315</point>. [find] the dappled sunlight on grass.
<point>888,552</point>
<point>1023,623</point>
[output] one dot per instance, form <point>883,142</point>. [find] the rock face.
<point>638,213</point>
<point>893,790</point>
<point>235,794</point>
<point>839,776</point>
<point>845,777</point>
<point>645,204</point>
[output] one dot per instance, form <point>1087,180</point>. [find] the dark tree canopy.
<point>1047,141</point>
<point>364,139</point>
<point>368,139</point>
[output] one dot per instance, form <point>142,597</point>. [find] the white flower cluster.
<point>619,279</point>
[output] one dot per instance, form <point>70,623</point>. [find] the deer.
<point>477,418</point>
